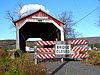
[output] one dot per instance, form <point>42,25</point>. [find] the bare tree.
<point>11,18</point>
<point>66,18</point>
<point>15,14</point>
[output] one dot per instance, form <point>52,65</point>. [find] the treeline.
<point>97,45</point>
<point>11,44</point>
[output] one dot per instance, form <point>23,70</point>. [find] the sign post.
<point>87,54</point>
<point>35,54</point>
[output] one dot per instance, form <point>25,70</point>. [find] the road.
<point>71,68</point>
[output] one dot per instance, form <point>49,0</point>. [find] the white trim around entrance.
<point>44,21</point>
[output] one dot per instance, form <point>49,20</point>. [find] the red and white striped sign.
<point>79,55</point>
<point>45,50</point>
<point>79,42</point>
<point>79,48</point>
<point>44,56</point>
<point>45,43</point>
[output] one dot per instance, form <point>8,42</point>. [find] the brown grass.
<point>94,57</point>
<point>23,65</point>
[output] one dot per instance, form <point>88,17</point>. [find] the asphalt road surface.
<point>71,68</point>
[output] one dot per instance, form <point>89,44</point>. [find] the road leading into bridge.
<point>72,68</point>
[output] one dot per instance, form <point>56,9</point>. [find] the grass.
<point>23,65</point>
<point>94,57</point>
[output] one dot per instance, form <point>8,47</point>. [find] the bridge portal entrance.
<point>38,25</point>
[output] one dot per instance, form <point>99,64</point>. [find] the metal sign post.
<point>35,48</point>
<point>87,54</point>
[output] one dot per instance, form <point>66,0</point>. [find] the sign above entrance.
<point>40,17</point>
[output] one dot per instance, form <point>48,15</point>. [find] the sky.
<point>79,8</point>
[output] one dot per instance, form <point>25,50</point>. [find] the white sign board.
<point>62,49</point>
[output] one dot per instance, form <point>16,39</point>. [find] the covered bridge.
<point>38,25</point>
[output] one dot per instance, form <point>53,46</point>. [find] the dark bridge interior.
<point>45,31</point>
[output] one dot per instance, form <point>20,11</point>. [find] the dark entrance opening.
<point>43,30</point>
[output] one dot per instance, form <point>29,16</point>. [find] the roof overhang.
<point>38,13</point>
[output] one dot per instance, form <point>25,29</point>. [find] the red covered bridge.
<point>38,25</point>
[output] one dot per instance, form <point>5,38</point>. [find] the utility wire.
<point>87,14</point>
<point>80,19</point>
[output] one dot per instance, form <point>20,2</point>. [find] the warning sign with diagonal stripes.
<point>45,43</point>
<point>79,42</point>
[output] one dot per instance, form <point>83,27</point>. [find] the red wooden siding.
<point>36,14</point>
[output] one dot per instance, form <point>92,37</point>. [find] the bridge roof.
<point>38,13</point>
